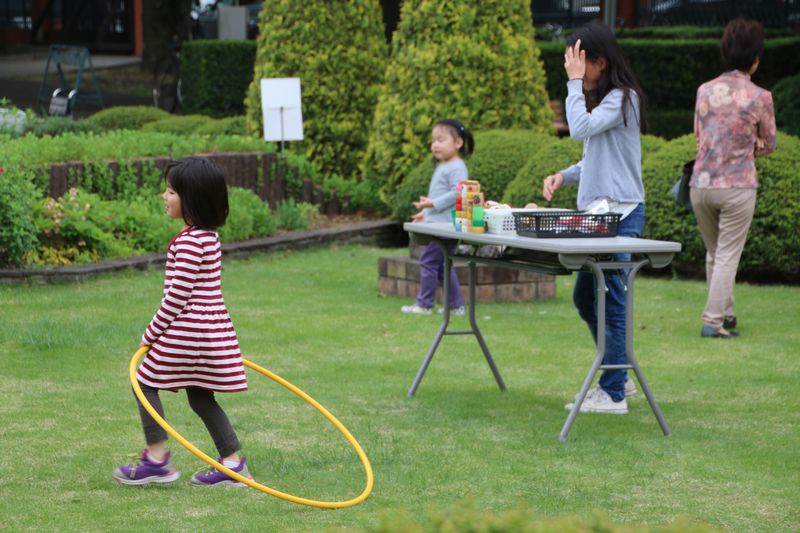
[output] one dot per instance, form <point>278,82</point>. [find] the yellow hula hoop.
<point>249,482</point>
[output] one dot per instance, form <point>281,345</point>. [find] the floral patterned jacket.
<point>734,122</point>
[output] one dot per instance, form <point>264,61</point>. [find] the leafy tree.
<point>338,51</point>
<point>474,60</point>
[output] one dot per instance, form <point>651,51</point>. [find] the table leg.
<point>448,263</point>
<point>600,298</point>
<point>477,332</point>
<point>632,358</point>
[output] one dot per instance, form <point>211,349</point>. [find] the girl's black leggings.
<point>204,404</point>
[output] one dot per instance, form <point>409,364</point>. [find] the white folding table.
<point>553,256</point>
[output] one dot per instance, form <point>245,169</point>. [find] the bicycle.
<point>167,92</point>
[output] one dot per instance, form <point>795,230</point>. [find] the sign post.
<point>282,110</point>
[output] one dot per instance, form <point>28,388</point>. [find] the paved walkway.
<point>21,75</point>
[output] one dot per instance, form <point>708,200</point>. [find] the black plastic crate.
<point>566,225</point>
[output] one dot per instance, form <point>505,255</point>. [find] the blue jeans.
<point>431,273</point>
<point>611,381</point>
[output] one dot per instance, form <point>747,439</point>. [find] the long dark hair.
<point>201,186</point>
<point>598,41</point>
<point>458,130</point>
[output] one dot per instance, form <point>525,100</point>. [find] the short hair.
<point>201,186</point>
<point>742,42</point>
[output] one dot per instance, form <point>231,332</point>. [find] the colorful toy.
<point>468,214</point>
<point>238,477</point>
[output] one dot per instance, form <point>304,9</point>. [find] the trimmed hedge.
<point>223,126</point>
<point>338,50</point>
<point>670,124</point>
<point>126,117</point>
<point>179,125</point>
<point>474,60</point>
<point>772,251</point>
<point>786,97</point>
<point>215,76</point>
<point>671,70</point>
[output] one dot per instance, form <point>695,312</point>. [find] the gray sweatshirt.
<point>442,190</point>
<point>611,167</point>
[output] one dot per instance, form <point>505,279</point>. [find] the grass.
<point>314,317</point>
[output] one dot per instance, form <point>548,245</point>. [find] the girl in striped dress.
<point>192,342</point>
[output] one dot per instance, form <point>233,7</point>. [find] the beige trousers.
<point>724,217</point>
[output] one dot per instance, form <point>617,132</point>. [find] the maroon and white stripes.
<point>191,337</point>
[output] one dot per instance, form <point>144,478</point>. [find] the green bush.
<point>296,216</point>
<point>223,126</point>
<point>359,195</point>
<point>474,60</point>
<point>786,97</point>
<point>688,32</point>
<point>498,156</point>
<point>126,117</point>
<point>555,155</point>
<point>671,123</point>
<point>179,125</point>
<point>773,244</point>
<point>249,217</point>
<point>338,50</point>
<point>54,126</point>
<point>18,197</point>
<point>215,76</point>
<point>671,70</point>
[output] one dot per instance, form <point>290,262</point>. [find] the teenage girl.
<point>451,142</point>
<point>606,110</point>
<point>192,342</point>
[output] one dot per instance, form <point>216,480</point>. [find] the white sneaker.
<point>416,310</point>
<point>458,311</point>
<point>601,402</point>
<point>630,390</point>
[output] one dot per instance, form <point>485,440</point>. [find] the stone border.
<point>383,233</point>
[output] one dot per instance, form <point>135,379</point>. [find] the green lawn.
<point>68,417</point>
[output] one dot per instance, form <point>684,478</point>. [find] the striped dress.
<point>191,337</point>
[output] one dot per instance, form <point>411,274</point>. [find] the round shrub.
<point>551,156</point>
<point>772,251</point>
<point>474,60</point>
<point>249,217</point>
<point>338,50</point>
<point>498,156</point>
<point>223,126</point>
<point>18,232</point>
<point>180,125</point>
<point>786,97</point>
<point>126,117</point>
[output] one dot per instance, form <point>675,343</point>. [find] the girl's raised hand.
<point>423,202</point>
<point>575,61</point>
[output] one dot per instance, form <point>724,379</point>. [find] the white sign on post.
<point>281,108</point>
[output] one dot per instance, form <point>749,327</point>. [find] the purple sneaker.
<point>143,471</point>
<point>214,478</point>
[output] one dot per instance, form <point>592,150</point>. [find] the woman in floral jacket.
<point>734,122</point>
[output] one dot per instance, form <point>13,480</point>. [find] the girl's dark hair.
<point>458,130</point>
<point>200,184</point>
<point>741,43</point>
<point>598,41</point>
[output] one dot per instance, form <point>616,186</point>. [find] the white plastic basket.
<point>500,221</point>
